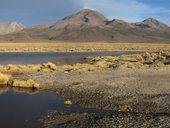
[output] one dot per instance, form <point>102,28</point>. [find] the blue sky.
<point>33,12</point>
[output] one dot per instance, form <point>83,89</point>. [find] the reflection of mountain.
<point>89,25</point>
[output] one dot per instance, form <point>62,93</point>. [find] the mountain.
<point>152,24</point>
<point>6,28</point>
<point>89,25</point>
<point>83,19</point>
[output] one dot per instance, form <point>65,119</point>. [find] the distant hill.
<point>89,25</point>
<point>6,28</point>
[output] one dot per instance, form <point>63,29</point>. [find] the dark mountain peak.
<point>83,18</point>
<point>150,20</point>
<point>153,24</point>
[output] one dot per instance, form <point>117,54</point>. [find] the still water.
<point>21,108</point>
<point>59,57</point>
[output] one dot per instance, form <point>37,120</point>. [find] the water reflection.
<point>4,89</point>
<point>26,90</point>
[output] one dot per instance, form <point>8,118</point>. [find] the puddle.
<point>21,108</point>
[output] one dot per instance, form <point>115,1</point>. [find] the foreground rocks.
<point>57,119</point>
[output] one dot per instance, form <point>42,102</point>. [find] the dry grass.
<point>78,46</point>
<point>49,65</point>
<point>25,84</point>
<point>29,68</point>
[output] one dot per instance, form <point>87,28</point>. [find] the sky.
<point>34,12</point>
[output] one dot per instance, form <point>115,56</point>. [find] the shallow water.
<point>59,57</point>
<point>21,108</point>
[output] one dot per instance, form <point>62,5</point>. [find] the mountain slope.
<point>89,25</point>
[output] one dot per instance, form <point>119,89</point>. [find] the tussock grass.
<point>25,84</point>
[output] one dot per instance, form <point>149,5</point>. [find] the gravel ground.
<point>141,98</point>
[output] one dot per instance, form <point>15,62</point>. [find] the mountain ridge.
<point>89,25</point>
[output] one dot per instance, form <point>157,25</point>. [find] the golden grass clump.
<point>66,68</point>
<point>49,65</point>
<point>68,103</point>
<point>12,68</point>
<point>139,58</point>
<point>102,64</point>
<point>4,79</point>
<point>2,68</point>
<point>25,84</point>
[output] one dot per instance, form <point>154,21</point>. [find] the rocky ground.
<point>106,120</point>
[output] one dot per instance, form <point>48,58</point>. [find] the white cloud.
<point>129,10</point>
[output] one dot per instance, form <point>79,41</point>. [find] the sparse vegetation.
<point>79,46</point>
